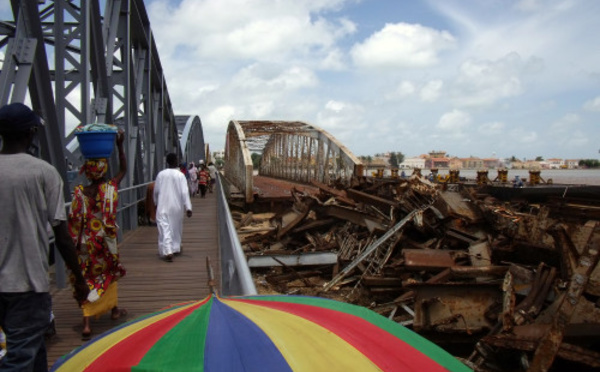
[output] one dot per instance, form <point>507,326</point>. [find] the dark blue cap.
<point>16,117</point>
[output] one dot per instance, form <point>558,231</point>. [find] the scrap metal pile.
<point>508,286</point>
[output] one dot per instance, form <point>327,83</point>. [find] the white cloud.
<point>261,30</point>
<point>484,82</point>
<point>222,114</point>
<point>431,91</point>
<point>402,45</point>
<point>565,125</point>
<point>576,139</point>
<point>265,78</point>
<point>522,135</point>
<point>454,121</point>
<point>342,118</point>
<point>334,60</point>
<point>528,5</point>
<point>404,90</point>
<point>593,104</point>
<point>492,128</point>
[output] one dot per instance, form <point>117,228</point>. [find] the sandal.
<point>86,336</point>
<point>115,315</point>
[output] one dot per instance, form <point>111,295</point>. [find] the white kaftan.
<point>172,198</point>
<point>193,181</point>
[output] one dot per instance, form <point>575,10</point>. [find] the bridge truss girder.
<point>292,150</point>
<point>77,65</point>
<point>192,140</point>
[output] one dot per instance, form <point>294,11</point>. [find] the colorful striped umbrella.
<point>260,333</point>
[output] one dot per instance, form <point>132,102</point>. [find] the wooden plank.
<point>151,284</point>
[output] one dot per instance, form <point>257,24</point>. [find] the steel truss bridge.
<point>291,150</point>
<point>75,63</point>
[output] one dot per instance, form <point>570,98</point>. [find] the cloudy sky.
<point>471,77</point>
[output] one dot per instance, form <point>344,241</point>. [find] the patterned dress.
<point>98,256</point>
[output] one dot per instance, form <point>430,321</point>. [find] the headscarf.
<point>94,169</point>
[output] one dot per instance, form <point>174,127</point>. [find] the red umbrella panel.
<point>261,333</point>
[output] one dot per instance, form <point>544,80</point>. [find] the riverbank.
<point>557,176</point>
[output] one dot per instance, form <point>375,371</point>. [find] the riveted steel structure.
<point>292,150</point>
<point>76,64</point>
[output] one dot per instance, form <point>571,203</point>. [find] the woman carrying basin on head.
<point>92,225</point>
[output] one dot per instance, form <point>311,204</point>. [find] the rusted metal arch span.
<point>292,150</point>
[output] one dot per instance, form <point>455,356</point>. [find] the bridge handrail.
<point>59,268</point>
<point>235,274</point>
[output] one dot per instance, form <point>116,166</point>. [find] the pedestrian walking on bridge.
<point>31,196</point>
<point>172,198</point>
<point>93,228</point>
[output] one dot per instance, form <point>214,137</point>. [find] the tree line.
<point>589,163</point>
<point>396,158</point>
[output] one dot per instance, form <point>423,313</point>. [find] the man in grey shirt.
<point>31,196</point>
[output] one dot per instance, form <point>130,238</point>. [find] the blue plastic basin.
<point>96,145</point>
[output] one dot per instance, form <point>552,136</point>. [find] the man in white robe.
<point>172,198</point>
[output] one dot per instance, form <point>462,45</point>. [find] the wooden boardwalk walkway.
<point>151,283</point>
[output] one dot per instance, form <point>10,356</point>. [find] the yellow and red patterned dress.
<point>98,256</point>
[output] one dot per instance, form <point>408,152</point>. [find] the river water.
<point>560,176</point>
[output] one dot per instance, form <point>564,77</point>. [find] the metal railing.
<point>235,274</point>
<point>124,219</point>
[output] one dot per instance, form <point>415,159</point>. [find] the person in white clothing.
<point>193,180</point>
<point>172,199</point>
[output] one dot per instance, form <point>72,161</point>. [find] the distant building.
<point>555,163</point>
<point>412,163</point>
<point>517,164</point>
<point>456,163</point>
<point>219,154</point>
<point>472,163</point>
<point>532,164</point>
<point>437,154</point>
<point>437,163</point>
<point>572,163</point>
<point>491,163</point>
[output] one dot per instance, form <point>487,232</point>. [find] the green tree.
<point>589,163</point>
<point>399,157</point>
<point>393,160</point>
<point>513,159</point>
<point>256,157</point>
<point>539,158</point>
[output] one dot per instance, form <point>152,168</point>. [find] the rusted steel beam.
<point>473,272</point>
<point>352,215</point>
<point>384,204</point>
<point>382,281</point>
<point>427,259</point>
<point>550,343</point>
<point>294,217</point>
<point>455,307</point>
<point>340,195</point>
<point>370,249</point>
<point>566,351</point>
<point>314,224</point>
<point>441,277</point>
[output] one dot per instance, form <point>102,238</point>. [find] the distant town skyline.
<point>494,156</point>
